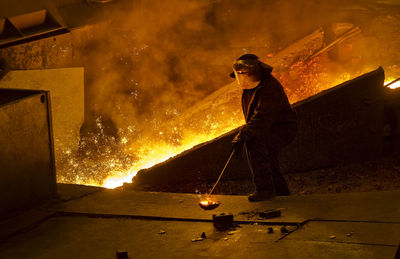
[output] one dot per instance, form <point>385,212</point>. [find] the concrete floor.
<point>88,223</point>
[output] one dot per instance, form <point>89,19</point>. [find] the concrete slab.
<point>95,222</point>
<point>17,222</point>
<point>68,192</point>
<point>169,205</point>
<point>381,206</point>
<point>387,234</point>
<point>64,237</point>
<point>21,219</point>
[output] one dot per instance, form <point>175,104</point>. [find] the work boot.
<point>261,196</point>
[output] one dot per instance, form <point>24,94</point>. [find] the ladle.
<point>208,203</point>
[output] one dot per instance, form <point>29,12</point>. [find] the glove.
<point>238,142</point>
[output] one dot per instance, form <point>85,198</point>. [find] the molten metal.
<point>208,204</point>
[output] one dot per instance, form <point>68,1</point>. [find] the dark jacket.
<point>269,116</point>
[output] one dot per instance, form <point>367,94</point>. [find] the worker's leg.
<point>261,168</point>
<point>281,187</point>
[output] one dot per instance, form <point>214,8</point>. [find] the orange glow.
<point>209,121</point>
<point>154,153</point>
<point>209,204</point>
<point>394,85</point>
<point>205,203</point>
<point>208,201</point>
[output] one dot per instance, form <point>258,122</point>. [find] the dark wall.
<point>343,124</point>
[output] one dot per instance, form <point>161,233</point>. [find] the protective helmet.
<point>249,62</point>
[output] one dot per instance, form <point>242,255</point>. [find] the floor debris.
<point>122,253</point>
<point>274,213</point>
<point>223,222</point>
<point>284,230</point>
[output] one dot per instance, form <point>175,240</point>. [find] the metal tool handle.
<point>223,170</point>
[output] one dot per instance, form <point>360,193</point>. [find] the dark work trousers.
<point>264,168</point>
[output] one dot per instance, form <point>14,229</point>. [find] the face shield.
<point>246,80</point>
<point>247,73</point>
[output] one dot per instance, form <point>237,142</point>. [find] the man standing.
<point>270,125</point>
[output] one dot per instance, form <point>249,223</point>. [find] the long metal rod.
<point>223,170</point>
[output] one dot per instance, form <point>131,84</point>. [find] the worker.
<point>271,124</point>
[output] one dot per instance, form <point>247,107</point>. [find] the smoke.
<point>153,60</point>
